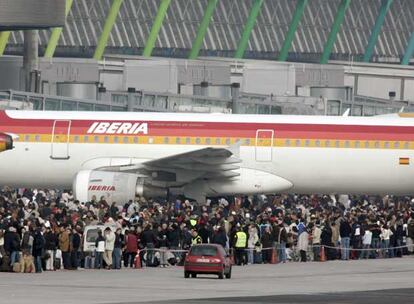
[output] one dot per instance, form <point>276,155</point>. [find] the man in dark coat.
<point>51,243</point>
<point>12,245</point>
<point>75,243</point>
<point>38,249</point>
<point>219,236</point>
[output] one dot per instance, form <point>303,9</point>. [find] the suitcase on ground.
<point>257,258</point>
<point>17,267</point>
<point>89,262</point>
<point>5,264</point>
<point>57,264</point>
<point>152,261</point>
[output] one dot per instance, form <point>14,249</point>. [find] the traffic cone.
<point>274,257</point>
<point>322,254</point>
<point>137,261</point>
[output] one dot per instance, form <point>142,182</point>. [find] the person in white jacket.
<point>109,247</point>
<point>251,243</point>
<point>386,234</point>
<point>366,243</point>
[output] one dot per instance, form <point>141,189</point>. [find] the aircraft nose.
<point>6,142</point>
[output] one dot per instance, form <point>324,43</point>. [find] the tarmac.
<point>364,281</point>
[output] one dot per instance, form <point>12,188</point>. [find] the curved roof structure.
<point>335,29</point>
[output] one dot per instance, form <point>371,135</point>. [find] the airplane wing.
<point>180,169</point>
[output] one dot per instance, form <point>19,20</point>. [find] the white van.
<point>91,234</point>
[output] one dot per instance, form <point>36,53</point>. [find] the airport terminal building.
<point>251,56</point>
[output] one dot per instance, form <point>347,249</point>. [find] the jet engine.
<point>6,142</point>
<point>116,187</point>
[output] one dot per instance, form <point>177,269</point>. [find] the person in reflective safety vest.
<point>240,245</point>
<point>196,239</point>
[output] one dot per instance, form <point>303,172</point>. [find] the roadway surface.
<point>367,282</point>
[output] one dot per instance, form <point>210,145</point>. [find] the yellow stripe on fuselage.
<point>218,141</point>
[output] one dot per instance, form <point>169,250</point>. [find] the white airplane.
<point>123,155</point>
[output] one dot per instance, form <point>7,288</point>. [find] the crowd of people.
<point>49,230</point>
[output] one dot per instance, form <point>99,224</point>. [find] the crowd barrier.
<point>322,256</point>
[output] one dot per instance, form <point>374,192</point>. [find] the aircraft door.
<point>264,145</point>
<point>60,139</point>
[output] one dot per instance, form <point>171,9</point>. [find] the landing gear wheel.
<point>221,275</point>
<point>186,274</point>
<point>193,275</point>
<point>228,275</point>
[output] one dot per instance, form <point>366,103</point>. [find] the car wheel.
<point>221,275</point>
<point>186,274</point>
<point>193,275</point>
<point>228,275</point>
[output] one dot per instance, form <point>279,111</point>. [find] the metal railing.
<point>141,101</point>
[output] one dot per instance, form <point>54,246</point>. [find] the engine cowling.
<point>6,142</point>
<point>112,186</point>
<point>250,181</point>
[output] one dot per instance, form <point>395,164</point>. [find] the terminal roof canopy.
<point>31,14</point>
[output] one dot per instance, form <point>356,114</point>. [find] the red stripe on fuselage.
<point>221,129</point>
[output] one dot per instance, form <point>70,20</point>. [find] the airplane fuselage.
<point>314,154</point>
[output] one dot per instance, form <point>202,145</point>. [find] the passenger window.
<point>386,145</point>
<point>126,140</point>
<point>227,141</point>
<point>166,140</point>
<point>178,140</point>
<point>198,141</point>
<point>116,139</point>
<point>86,139</point>
<point>150,140</point>
<point>298,143</point>
<point>96,139</point>
<point>106,139</point>
<point>218,141</point>
<point>208,141</point>
<point>367,144</point>
<point>307,143</point>
<point>347,144</point>
<point>37,138</point>
<point>76,139</point>
<point>247,141</point>
<point>27,138</point>
<point>377,144</point>
<point>188,140</point>
<point>396,145</point>
<point>406,145</point>
<point>357,144</point>
<point>327,143</point>
<point>287,143</point>
<point>337,144</point>
<point>318,143</point>
<point>136,139</point>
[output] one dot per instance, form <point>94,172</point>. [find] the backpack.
<point>17,267</point>
<point>57,264</point>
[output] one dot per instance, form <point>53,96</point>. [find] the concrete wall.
<point>274,79</point>
<point>185,76</point>
<point>53,72</point>
<point>10,73</point>
<point>380,79</point>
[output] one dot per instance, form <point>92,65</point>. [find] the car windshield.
<point>91,235</point>
<point>204,250</point>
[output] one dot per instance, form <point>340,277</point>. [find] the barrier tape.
<point>278,248</point>
<point>364,249</point>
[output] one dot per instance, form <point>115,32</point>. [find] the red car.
<point>207,259</point>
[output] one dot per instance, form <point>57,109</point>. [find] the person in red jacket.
<point>131,241</point>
